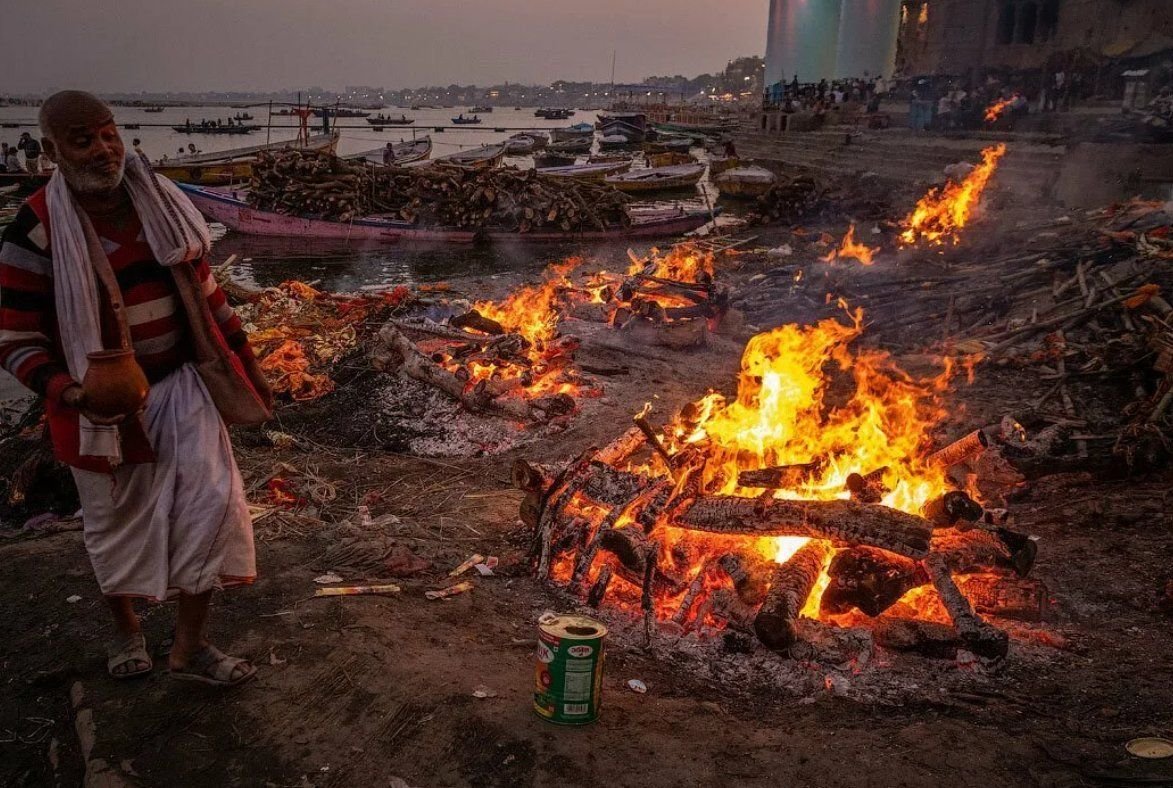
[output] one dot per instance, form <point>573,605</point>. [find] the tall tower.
<point>867,37</point>
<point>802,40</point>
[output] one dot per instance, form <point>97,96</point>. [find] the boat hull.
<point>239,216</point>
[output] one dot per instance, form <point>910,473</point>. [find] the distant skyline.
<point>199,45</point>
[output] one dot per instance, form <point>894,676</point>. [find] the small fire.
<point>940,214</point>
<point>684,263</point>
<point>850,248</point>
<point>996,110</point>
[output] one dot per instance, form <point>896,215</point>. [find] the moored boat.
<point>238,215</point>
<point>232,166</point>
<point>575,145</point>
<point>594,173</point>
<point>385,120</point>
<point>668,159</point>
<point>550,158</point>
<point>718,164</point>
<point>745,182</point>
<point>460,120</point>
<point>480,109</point>
<point>683,176</point>
<point>519,145</point>
<point>405,152</point>
<point>574,132</point>
<point>485,157</point>
<point>339,112</point>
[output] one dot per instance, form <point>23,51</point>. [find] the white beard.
<point>83,180</point>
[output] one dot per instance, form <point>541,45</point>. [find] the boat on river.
<point>221,168</point>
<point>386,120</point>
<point>236,214</point>
<point>485,157</point>
<point>405,152</point>
<point>339,112</point>
<point>652,179</point>
<point>575,145</point>
<point>519,145</point>
<point>460,120</point>
<point>594,173</point>
<point>577,131</point>
<point>212,128</point>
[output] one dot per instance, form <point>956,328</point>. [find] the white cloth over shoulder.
<point>180,523</point>
<point>175,231</point>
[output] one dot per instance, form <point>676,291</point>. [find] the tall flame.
<point>940,214</point>
<point>851,248</point>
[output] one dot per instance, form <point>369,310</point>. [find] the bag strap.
<point>105,274</point>
<point>199,315</point>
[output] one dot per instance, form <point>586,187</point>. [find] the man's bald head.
<point>72,109</point>
<point>81,139</point>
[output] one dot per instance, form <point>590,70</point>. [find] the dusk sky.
<point>159,45</point>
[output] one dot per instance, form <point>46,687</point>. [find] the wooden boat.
<point>405,152</point>
<point>576,145</point>
<point>683,176</point>
<point>26,182</point>
<point>317,142</point>
<point>718,164</point>
<point>669,145</point>
<point>614,141</point>
<point>540,139</point>
<point>381,120</point>
<point>152,109</point>
<point>550,158</point>
<point>214,174</point>
<point>554,114</point>
<point>200,129</point>
<point>480,109</point>
<point>460,120</point>
<point>594,173</point>
<point>236,214</point>
<point>519,145</point>
<point>745,182</point>
<point>485,157</point>
<point>707,129</point>
<point>131,126</point>
<point>577,131</point>
<point>340,112</point>
<point>668,159</point>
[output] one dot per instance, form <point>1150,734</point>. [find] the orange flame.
<point>850,248</point>
<point>995,110</point>
<point>940,214</point>
<point>684,263</point>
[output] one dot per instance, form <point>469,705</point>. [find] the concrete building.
<point>960,37</point>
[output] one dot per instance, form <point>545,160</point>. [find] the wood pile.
<point>315,183</point>
<point>787,201</point>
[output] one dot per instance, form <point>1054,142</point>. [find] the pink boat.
<point>236,214</point>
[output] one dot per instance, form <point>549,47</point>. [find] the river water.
<point>343,267</point>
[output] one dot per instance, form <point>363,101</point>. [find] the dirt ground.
<point>380,690</point>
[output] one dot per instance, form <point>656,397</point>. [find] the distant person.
<point>32,152</point>
<point>12,161</point>
<point>3,154</point>
<point>138,150</point>
<point>730,149</point>
<point>389,155</point>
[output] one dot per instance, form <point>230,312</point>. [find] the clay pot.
<point>114,384</point>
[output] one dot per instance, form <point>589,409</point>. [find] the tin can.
<point>568,673</point>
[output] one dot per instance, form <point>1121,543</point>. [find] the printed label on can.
<point>568,671</point>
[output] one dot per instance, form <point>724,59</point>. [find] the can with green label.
<point>568,674</point>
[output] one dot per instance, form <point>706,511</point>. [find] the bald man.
<point>163,506</point>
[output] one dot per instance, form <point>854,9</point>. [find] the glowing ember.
<point>997,109</point>
<point>940,214</point>
<point>851,248</point>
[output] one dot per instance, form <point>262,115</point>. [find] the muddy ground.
<point>378,690</point>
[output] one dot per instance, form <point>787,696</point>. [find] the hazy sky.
<point>130,45</point>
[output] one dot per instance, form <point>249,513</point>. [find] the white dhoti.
<point>180,523</point>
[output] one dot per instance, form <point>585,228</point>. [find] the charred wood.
<point>776,623</point>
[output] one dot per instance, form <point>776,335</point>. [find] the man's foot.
<point>128,657</point>
<point>211,666</point>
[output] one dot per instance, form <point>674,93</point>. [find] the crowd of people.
<point>821,96</point>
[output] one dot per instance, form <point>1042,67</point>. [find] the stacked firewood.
<point>508,199</point>
<point>787,201</point>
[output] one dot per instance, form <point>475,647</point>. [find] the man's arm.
<point>27,312</point>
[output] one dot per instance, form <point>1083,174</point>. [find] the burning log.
<point>749,574</point>
<point>1007,597</point>
<point>695,588</point>
<point>776,624</point>
<point>928,638</point>
<point>845,523</point>
<point>599,588</point>
<point>477,322</point>
<point>971,551</point>
<point>960,450</point>
<point>980,637</point>
<point>780,476</point>
<point>629,545</point>
<point>646,601</point>
<point>869,579</point>
<point>868,487</point>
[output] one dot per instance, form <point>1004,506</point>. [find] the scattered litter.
<point>280,440</point>
<point>785,250</point>
<point>1153,747</point>
<point>274,659</point>
<point>386,588</point>
<point>637,686</point>
<point>444,593</point>
<point>486,567</point>
<point>327,578</point>
<point>482,691</point>
<point>473,560</point>
<point>72,599</point>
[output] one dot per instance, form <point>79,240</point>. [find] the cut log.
<point>477,322</point>
<point>979,551</point>
<point>1007,597</point>
<point>979,636</point>
<point>846,523</point>
<point>869,579</point>
<point>776,623</point>
<point>629,545</point>
<point>927,638</point>
<point>750,575</point>
<point>599,588</point>
<point>779,476</point>
<point>961,449</point>
<point>695,588</point>
<point>868,487</point>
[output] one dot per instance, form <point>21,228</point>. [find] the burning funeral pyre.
<point>792,500</point>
